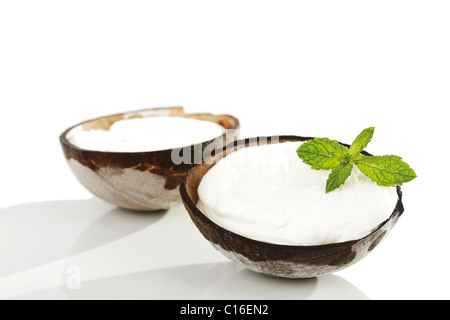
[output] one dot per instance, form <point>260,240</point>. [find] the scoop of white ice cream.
<point>146,134</point>
<point>267,193</point>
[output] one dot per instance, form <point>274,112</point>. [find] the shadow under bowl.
<point>288,261</point>
<point>144,181</point>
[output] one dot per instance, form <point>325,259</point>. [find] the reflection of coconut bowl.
<point>135,180</point>
<point>289,261</point>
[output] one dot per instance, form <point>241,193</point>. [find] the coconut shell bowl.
<point>143,181</point>
<point>287,261</point>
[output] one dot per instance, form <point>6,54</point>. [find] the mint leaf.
<point>361,141</point>
<point>338,176</point>
<point>322,153</point>
<point>387,171</point>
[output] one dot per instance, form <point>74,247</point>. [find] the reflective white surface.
<point>121,254</point>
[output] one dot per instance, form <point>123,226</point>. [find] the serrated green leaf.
<point>338,176</point>
<point>387,171</point>
<point>361,141</point>
<point>322,153</point>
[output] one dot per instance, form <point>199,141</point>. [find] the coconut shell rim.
<point>67,144</point>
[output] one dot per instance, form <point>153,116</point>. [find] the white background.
<point>311,68</point>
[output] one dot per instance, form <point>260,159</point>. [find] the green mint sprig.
<point>326,154</point>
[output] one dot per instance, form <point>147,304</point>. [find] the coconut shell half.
<point>144,181</point>
<point>274,259</point>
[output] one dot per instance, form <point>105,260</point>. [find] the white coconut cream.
<point>267,193</point>
<point>146,134</point>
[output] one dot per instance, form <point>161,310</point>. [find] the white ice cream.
<point>146,134</point>
<point>267,193</point>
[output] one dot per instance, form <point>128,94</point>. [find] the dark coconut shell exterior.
<point>272,259</point>
<point>144,181</point>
